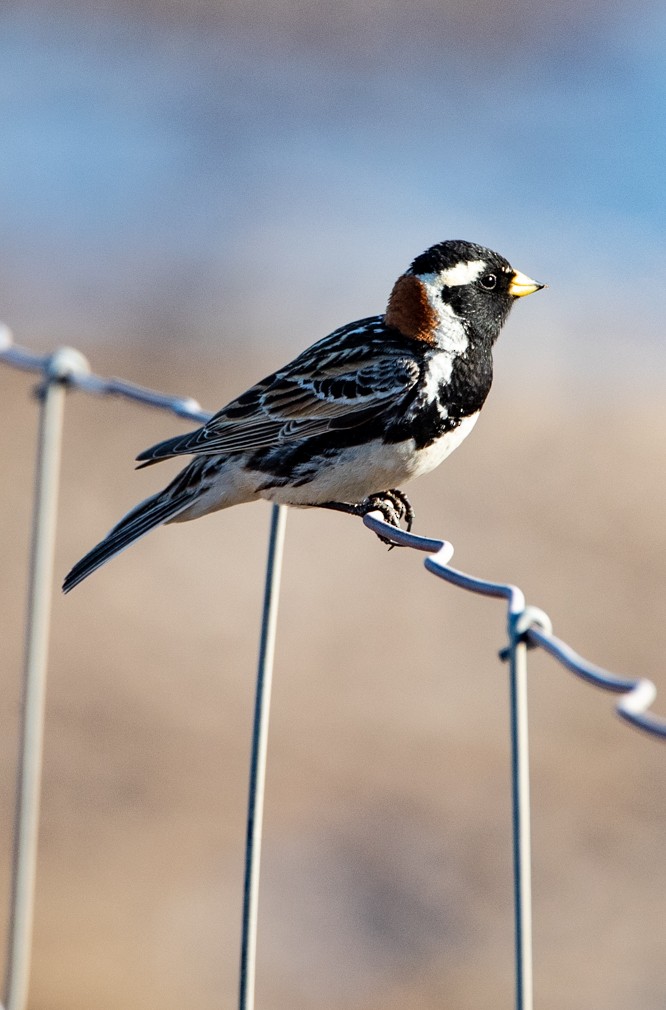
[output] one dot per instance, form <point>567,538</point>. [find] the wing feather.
<point>340,382</point>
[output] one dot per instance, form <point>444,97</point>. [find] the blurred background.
<point>190,193</point>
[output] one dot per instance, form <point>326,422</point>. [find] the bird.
<point>373,404</point>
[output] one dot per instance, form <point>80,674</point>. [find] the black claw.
<point>390,511</point>
<point>393,504</point>
<point>403,507</point>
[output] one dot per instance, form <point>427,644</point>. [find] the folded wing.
<point>355,374</point>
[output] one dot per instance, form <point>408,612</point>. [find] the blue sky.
<point>167,178</point>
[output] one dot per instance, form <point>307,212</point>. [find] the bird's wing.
<point>340,382</point>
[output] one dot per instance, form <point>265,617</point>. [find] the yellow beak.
<point>522,285</point>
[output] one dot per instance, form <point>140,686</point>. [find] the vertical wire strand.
<point>26,825</point>
<point>255,812</point>
<point>520,793</point>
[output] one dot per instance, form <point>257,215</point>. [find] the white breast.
<point>362,470</point>
<point>430,457</point>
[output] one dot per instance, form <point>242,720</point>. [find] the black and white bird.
<point>357,414</point>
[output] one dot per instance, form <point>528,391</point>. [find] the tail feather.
<point>140,520</point>
<point>177,446</point>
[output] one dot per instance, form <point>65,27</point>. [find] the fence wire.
<point>527,627</point>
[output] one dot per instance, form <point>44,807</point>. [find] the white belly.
<point>366,469</point>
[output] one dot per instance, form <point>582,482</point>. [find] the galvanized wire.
<point>526,626</point>
<point>255,804</point>
<point>534,627</point>
<point>57,370</point>
<point>29,361</point>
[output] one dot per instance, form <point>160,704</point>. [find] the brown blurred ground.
<point>386,879</point>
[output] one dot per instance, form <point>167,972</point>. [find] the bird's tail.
<point>152,512</point>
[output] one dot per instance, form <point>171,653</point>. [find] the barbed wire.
<point>527,627</point>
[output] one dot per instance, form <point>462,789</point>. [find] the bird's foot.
<point>394,506</point>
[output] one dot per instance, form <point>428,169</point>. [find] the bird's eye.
<point>489,282</point>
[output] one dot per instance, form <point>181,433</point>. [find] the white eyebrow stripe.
<point>462,273</point>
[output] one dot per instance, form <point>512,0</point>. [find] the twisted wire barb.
<point>535,627</point>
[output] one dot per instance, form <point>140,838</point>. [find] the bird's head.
<point>456,294</point>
